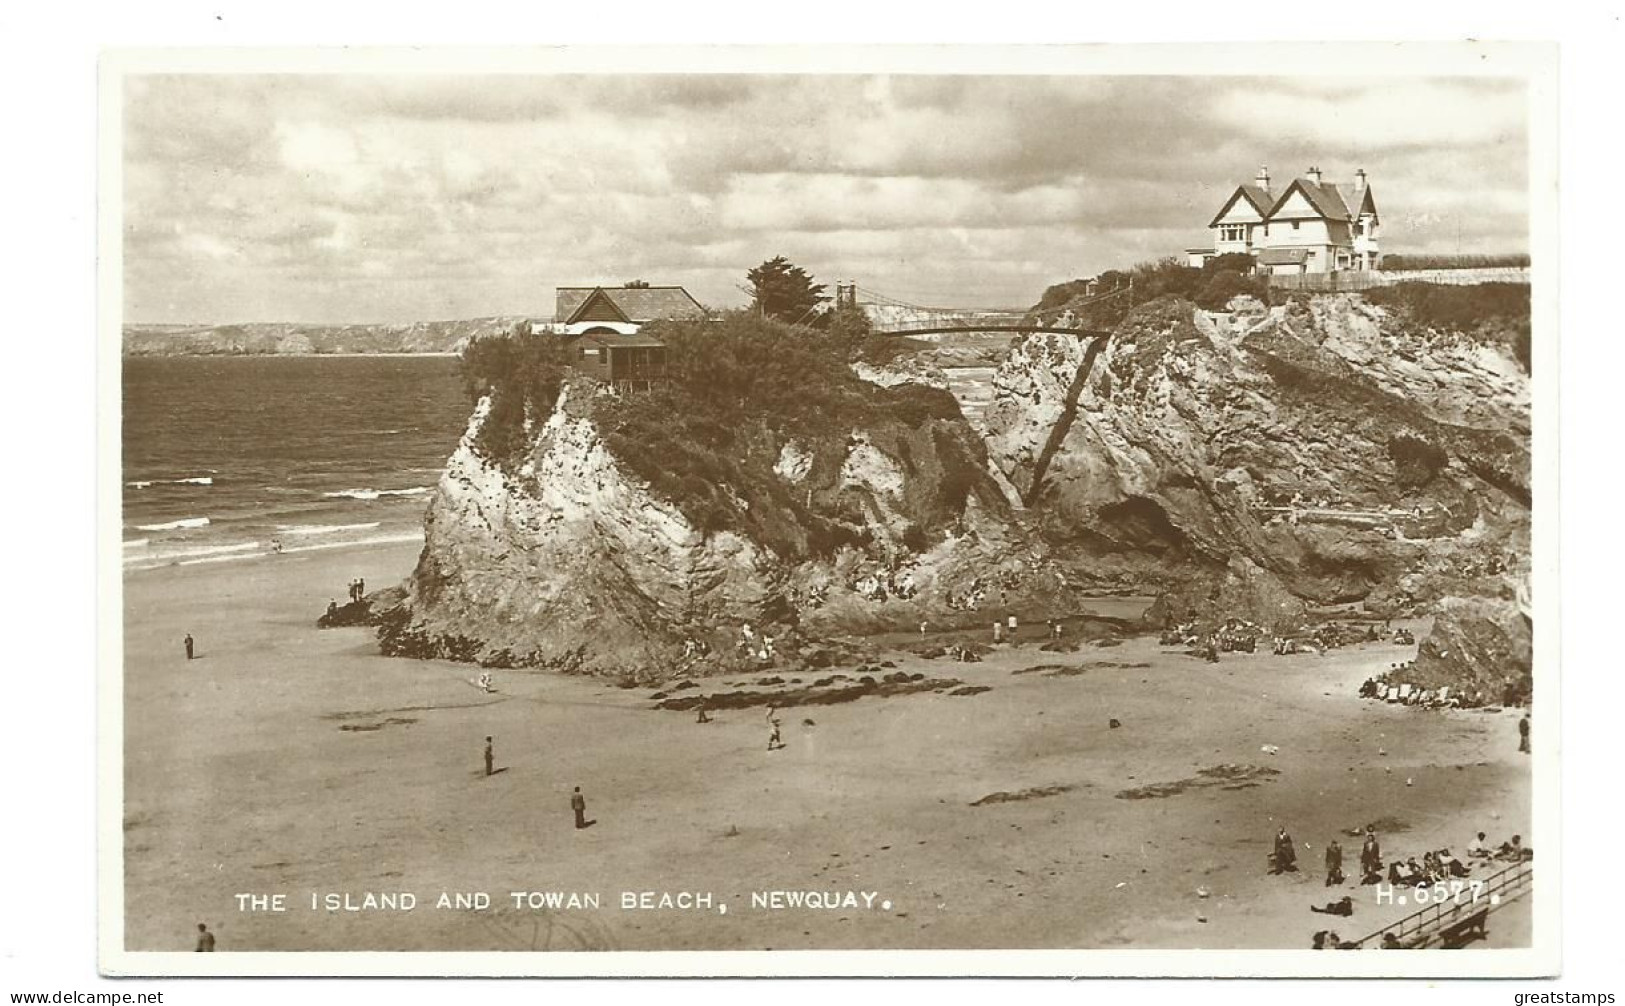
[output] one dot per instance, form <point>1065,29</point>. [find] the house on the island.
<point>603,326</point>
<point>1311,226</point>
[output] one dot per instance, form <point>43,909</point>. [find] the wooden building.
<point>604,328</point>
<point>629,362</point>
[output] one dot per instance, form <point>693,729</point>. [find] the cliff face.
<point>1246,463</point>
<point>568,557</point>
<point>1326,449</point>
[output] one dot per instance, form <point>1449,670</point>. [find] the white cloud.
<point>357,198</point>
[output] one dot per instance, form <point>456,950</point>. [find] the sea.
<point>232,457</point>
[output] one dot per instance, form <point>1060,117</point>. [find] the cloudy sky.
<point>367,198</point>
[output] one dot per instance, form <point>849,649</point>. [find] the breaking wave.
<point>301,529</point>
<point>372,494</point>
<point>175,525</point>
<point>199,480</point>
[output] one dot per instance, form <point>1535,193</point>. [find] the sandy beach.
<point>296,761</point>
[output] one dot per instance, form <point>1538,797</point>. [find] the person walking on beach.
<point>702,717</point>
<point>1523,735</point>
<point>205,940</point>
<point>578,803</point>
<point>775,741</point>
<point>190,646</point>
<point>1334,864</point>
<point>490,757</point>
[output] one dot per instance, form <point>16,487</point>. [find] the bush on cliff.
<point>1416,462</point>
<point>522,373</point>
<point>1496,313</point>
<point>1225,284</point>
<point>743,387</point>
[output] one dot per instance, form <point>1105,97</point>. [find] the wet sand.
<point>290,760</point>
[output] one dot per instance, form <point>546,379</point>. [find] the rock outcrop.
<point>571,558</point>
<point>1249,463</point>
<point>1325,445</point>
<point>1478,645</point>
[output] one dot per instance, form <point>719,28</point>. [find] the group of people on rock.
<point>1392,686</point>
<point>754,644</point>
<point>1241,636</point>
<point>893,583</point>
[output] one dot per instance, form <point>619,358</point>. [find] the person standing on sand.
<point>205,940</point>
<point>702,718</point>
<point>578,803</point>
<point>490,757</point>
<point>1334,864</point>
<point>187,642</point>
<point>998,632</point>
<point>1370,853</point>
<point>1286,857</point>
<point>1523,735</point>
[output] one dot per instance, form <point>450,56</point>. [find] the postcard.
<point>1067,510</point>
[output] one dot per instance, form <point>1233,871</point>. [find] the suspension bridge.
<point>893,316</point>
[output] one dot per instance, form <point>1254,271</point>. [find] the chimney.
<point>1263,179</point>
<point>1314,175</point>
<point>1359,181</point>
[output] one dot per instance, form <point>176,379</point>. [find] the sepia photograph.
<point>1085,511</point>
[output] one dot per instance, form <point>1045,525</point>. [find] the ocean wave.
<point>297,529</point>
<point>197,480</point>
<point>137,543</point>
<point>175,525</point>
<point>252,550</point>
<point>372,494</point>
<point>162,556</point>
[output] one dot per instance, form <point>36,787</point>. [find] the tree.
<point>785,292</point>
<point>848,326</point>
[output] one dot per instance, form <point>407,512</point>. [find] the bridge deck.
<point>972,327</point>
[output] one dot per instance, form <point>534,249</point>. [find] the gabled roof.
<point>596,297</point>
<point>1366,204</point>
<point>1330,201</point>
<point>637,304</point>
<point>1259,199</point>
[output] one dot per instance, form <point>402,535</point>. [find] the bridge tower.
<point>846,294</point>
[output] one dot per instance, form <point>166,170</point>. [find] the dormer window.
<point>1295,224</point>
<point>1232,232</point>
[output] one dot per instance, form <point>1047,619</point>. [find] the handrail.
<point>1428,923</point>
